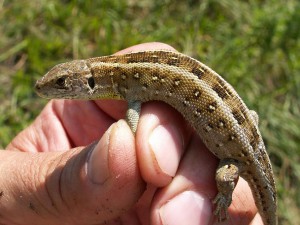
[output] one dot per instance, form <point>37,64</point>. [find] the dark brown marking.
<point>232,137</point>
<point>241,155</point>
<point>208,127</point>
<point>186,101</point>
<point>224,86</point>
<point>154,59</point>
<point>258,158</point>
<point>173,61</point>
<point>197,93</point>
<point>177,82</point>
<point>92,71</point>
<point>253,144</point>
<point>137,58</point>
<point>221,92</point>
<point>218,145</point>
<point>198,72</point>
<point>221,124</point>
<point>212,107</point>
<point>145,86</point>
<point>245,153</point>
<point>116,69</point>
<point>170,93</point>
<point>197,113</point>
<point>254,132</point>
<point>144,59</point>
<point>132,59</point>
<point>238,116</point>
<point>155,77</point>
<point>112,59</point>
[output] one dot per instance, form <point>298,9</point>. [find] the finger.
<point>242,209</point>
<point>83,121</point>
<point>45,134</point>
<point>82,186</point>
<point>147,46</point>
<point>257,220</point>
<point>161,137</point>
<point>188,197</point>
<point>194,188</point>
<point>63,124</point>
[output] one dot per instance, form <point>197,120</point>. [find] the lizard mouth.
<point>43,91</point>
<point>39,90</point>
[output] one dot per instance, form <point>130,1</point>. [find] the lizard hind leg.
<point>133,114</point>
<point>227,175</point>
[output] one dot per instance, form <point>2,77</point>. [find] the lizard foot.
<point>222,204</point>
<point>227,176</point>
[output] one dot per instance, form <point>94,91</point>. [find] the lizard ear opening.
<point>91,82</point>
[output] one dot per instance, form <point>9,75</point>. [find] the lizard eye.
<point>61,81</point>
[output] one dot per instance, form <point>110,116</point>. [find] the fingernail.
<point>97,163</point>
<point>167,145</point>
<point>186,208</point>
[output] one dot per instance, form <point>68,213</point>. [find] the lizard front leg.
<point>133,114</point>
<point>227,176</point>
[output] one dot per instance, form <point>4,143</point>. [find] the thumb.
<point>89,185</point>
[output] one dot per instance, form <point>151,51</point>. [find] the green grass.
<point>253,44</point>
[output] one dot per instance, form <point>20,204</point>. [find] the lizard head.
<point>68,80</point>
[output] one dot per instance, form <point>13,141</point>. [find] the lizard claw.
<point>222,204</point>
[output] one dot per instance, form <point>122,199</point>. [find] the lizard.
<point>209,103</point>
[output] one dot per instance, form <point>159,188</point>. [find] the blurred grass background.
<point>253,44</point>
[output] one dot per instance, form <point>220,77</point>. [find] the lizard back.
<point>211,105</point>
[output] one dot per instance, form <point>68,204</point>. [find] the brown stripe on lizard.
<point>211,105</point>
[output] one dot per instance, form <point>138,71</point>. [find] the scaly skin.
<point>214,109</point>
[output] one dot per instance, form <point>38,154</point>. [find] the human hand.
<point>50,177</point>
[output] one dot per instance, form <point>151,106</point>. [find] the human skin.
<point>79,163</point>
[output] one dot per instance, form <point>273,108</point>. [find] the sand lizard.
<point>211,105</point>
